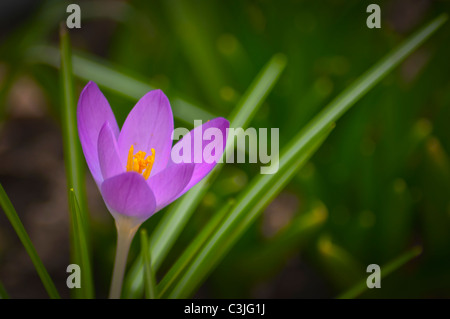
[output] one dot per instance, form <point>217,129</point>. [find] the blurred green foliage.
<point>379,185</point>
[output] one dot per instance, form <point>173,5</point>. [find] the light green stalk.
<point>126,229</point>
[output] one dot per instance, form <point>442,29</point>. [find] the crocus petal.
<point>168,184</point>
<point>128,194</point>
<point>108,153</point>
<point>149,125</point>
<point>92,112</point>
<point>205,166</point>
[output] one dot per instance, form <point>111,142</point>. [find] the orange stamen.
<point>139,163</point>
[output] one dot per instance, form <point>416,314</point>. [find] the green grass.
<point>74,171</point>
<point>382,174</point>
<point>81,246</point>
<point>175,219</point>
<point>386,270</point>
<point>301,147</point>
<point>90,68</point>
<point>14,219</point>
<point>261,191</point>
<point>149,277</point>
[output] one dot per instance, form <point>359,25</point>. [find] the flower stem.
<point>126,229</point>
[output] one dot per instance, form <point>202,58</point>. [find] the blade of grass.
<point>197,46</point>
<point>70,136</point>
<point>364,83</point>
<point>89,68</point>
<point>74,171</point>
<point>287,242</point>
<point>25,239</point>
<point>86,290</point>
<point>258,90</point>
<point>246,208</point>
<point>386,270</point>
<point>183,261</point>
<point>342,268</point>
<point>176,218</point>
<point>173,222</point>
<point>149,278</point>
<point>3,293</point>
<point>250,203</point>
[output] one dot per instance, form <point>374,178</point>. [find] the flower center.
<point>138,163</point>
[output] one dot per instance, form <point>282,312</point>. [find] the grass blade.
<point>301,229</point>
<point>363,84</point>
<point>342,268</point>
<point>122,83</point>
<point>288,241</point>
<point>258,91</point>
<point>25,239</point>
<point>176,218</point>
<point>180,265</point>
<point>197,46</point>
<point>74,171</point>
<point>149,278</point>
<point>87,289</point>
<point>247,206</point>
<point>72,152</point>
<point>249,104</point>
<point>359,288</point>
<point>250,203</point>
<point>3,293</point>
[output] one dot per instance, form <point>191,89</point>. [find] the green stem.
<point>74,168</point>
<point>15,221</point>
<point>3,293</point>
<point>392,266</point>
<point>149,276</point>
<point>126,229</point>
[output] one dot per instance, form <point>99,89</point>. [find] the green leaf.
<point>362,85</point>
<point>386,270</point>
<point>342,268</point>
<point>149,278</point>
<point>303,145</point>
<point>81,243</point>
<point>288,241</point>
<point>3,293</point>
<point>25,239</point>
<point>72,151</point>
<point>250,203</point>
<point>176,218</point>
<point>259,89</point>
<point>194,36</point>
<point>174,221</point>
<point>179,267</point>
<point>89,68</point>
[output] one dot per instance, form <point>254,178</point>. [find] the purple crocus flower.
<point>133,167</point>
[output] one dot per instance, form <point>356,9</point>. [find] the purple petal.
<point>203,164</point>
<point>129,195</point>
<point>108,153</point>
<point>168,184</point>
<point>92,112</point>
<point>149,125</point>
